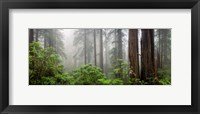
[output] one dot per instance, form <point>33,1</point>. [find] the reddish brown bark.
<point>133,53</point>
<point>148,68</point>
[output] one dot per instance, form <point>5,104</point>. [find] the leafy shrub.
<point>63,79</point>
<point>120,69</point>
<point>104,81</point>
<point>43,62</point>
<point>48,81</point>
<point>117,82</point>
<point>151,81</point>
<point>136,81</point>
<point>164,72</point>
<point>164,76</point>
<point>148,81</point>
<point>58,79</point>
<point>164,81</point>
<point>87,75</point>
<point>91,75</point>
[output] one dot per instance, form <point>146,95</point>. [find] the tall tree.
<point>85,46</point>
<point>101,49</point>
<point>147,54</point>
<point>120,53</point>
<point>106,41</point>
<point>107,34</point>
<point>133,53</point>
<point>164,46</point>
<point>31,38</point>
<point>50,37</point>
<point>95,54</point>
<point>45,38</point>
<point>36,32</point>
<point>116,45</point>
<point>83,40</point>
<point>159,50</point>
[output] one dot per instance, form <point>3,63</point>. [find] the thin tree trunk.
<point>55,41</point>
<point>161,50</point>
<point>95,59</point>
<point>116,51</point>
<point>119,44</point>
<point>165,59</point>
<point>51,38</point>
<point>31,38</point>
<point>45,38</point>
<point>36,35</point>
<point>101,49</point>
<point>158,50</point>
<point>106,56</point>
<point>120,53</point>
<point>85,45</point>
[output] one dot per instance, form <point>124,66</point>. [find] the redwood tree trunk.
<point>147,54</point>
<point>133,53</point>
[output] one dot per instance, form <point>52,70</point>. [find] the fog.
<point>73,40</point>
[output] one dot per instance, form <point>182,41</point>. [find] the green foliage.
<point>120,69</point>
<point>165,81</point>
<point>136,81</point>
<point>117,82</point>
<point>43,62</point>
<point>48,81</point>
<point>151,81</point>
<point>59,79</point>
<point>164,76</point>
<point>164,72</point>
<point>104,81</point>
<point>90,75</point>
<point>45,68</point>
<point>87,75</point>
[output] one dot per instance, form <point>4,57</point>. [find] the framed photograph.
<point>99,56</point>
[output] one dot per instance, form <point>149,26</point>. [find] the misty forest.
<point>100,56</point>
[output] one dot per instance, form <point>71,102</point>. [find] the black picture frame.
<point>5,5</point>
